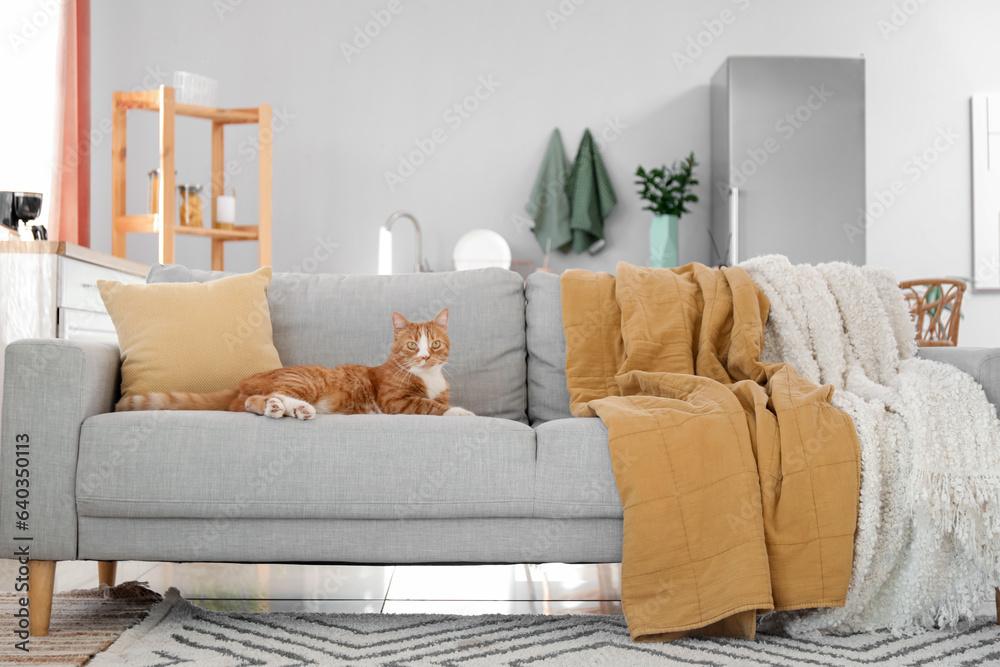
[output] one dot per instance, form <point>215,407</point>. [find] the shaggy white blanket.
<point>927,547</point>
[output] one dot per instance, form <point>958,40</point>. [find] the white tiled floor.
<point>553,581</point>
<point>553,588</point>
<point>501,607</point>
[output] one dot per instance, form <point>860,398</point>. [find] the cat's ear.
<point>442,319</point>
<point>399,322</point>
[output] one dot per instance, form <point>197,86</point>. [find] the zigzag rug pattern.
<point>178,633</point>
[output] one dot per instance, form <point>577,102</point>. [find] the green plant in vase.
<point>667,193</point>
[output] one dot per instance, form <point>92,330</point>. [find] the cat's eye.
<point>411,345</point>
<point>436,344</point>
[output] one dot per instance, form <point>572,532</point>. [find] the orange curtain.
<point>70,218</point>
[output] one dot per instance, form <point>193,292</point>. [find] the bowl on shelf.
<point>479,249</point>
<point>190,88</point>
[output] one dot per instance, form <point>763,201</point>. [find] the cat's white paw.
<point>458,412</point>
<point>304,411</point>
<point>274,408</point>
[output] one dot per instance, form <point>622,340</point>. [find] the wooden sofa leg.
<point>998,605</point>
<point>106,570</point>
<point>41,578</point>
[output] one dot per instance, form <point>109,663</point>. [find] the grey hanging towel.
<point>591,197</point>
<point>549,204</point>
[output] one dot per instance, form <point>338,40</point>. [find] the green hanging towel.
<point>549,204</point>
<point>591,197</point>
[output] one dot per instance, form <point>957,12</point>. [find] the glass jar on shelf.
<point>154,195</point>
<point>189,205</point>
<point>154,191</point>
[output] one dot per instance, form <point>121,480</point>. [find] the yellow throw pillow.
<point>196,337</point>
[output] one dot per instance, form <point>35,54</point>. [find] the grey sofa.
<point>521,482</point>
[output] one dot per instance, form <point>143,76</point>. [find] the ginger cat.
<point>409,382</point>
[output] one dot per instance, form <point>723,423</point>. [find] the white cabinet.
<point>86,325</point>
<point>788,159</point>
<point>48,289</point>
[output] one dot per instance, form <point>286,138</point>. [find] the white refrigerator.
<point>788,159</point>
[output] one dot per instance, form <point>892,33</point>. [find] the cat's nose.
<point>426,357</point>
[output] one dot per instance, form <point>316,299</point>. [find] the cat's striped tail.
<point>220,400</point>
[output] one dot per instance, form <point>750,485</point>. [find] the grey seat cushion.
<point>330,319</point>
<point>221,465</point>
<point>573,474</point>
<point>982,363</point>
<point>548,397</point>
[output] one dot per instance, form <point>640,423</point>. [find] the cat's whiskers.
<point>400,371</point>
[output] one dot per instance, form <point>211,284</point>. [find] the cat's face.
<point>420,345</point>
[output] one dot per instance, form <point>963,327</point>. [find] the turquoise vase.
<point>663,241</point>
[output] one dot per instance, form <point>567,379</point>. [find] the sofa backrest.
<point>330,319</point>
<point>548,397</point>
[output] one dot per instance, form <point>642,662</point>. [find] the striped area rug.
<point>179,633</point>
<point>83,623</point>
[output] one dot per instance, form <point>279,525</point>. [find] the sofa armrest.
<point>982,363</point>
<point>50,387</point>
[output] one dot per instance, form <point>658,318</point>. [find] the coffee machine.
<point>18,207</point>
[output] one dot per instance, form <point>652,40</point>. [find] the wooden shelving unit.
<point>164,224</point>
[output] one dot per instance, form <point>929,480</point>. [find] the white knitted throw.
<point>927,547</point>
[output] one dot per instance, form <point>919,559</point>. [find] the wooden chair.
<point>937,320</point>
<point>936,307</point>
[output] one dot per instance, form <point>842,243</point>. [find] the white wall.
<point>608,62</point>
<point>29,37</point>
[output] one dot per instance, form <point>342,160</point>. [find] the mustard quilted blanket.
<point>739,480</point>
